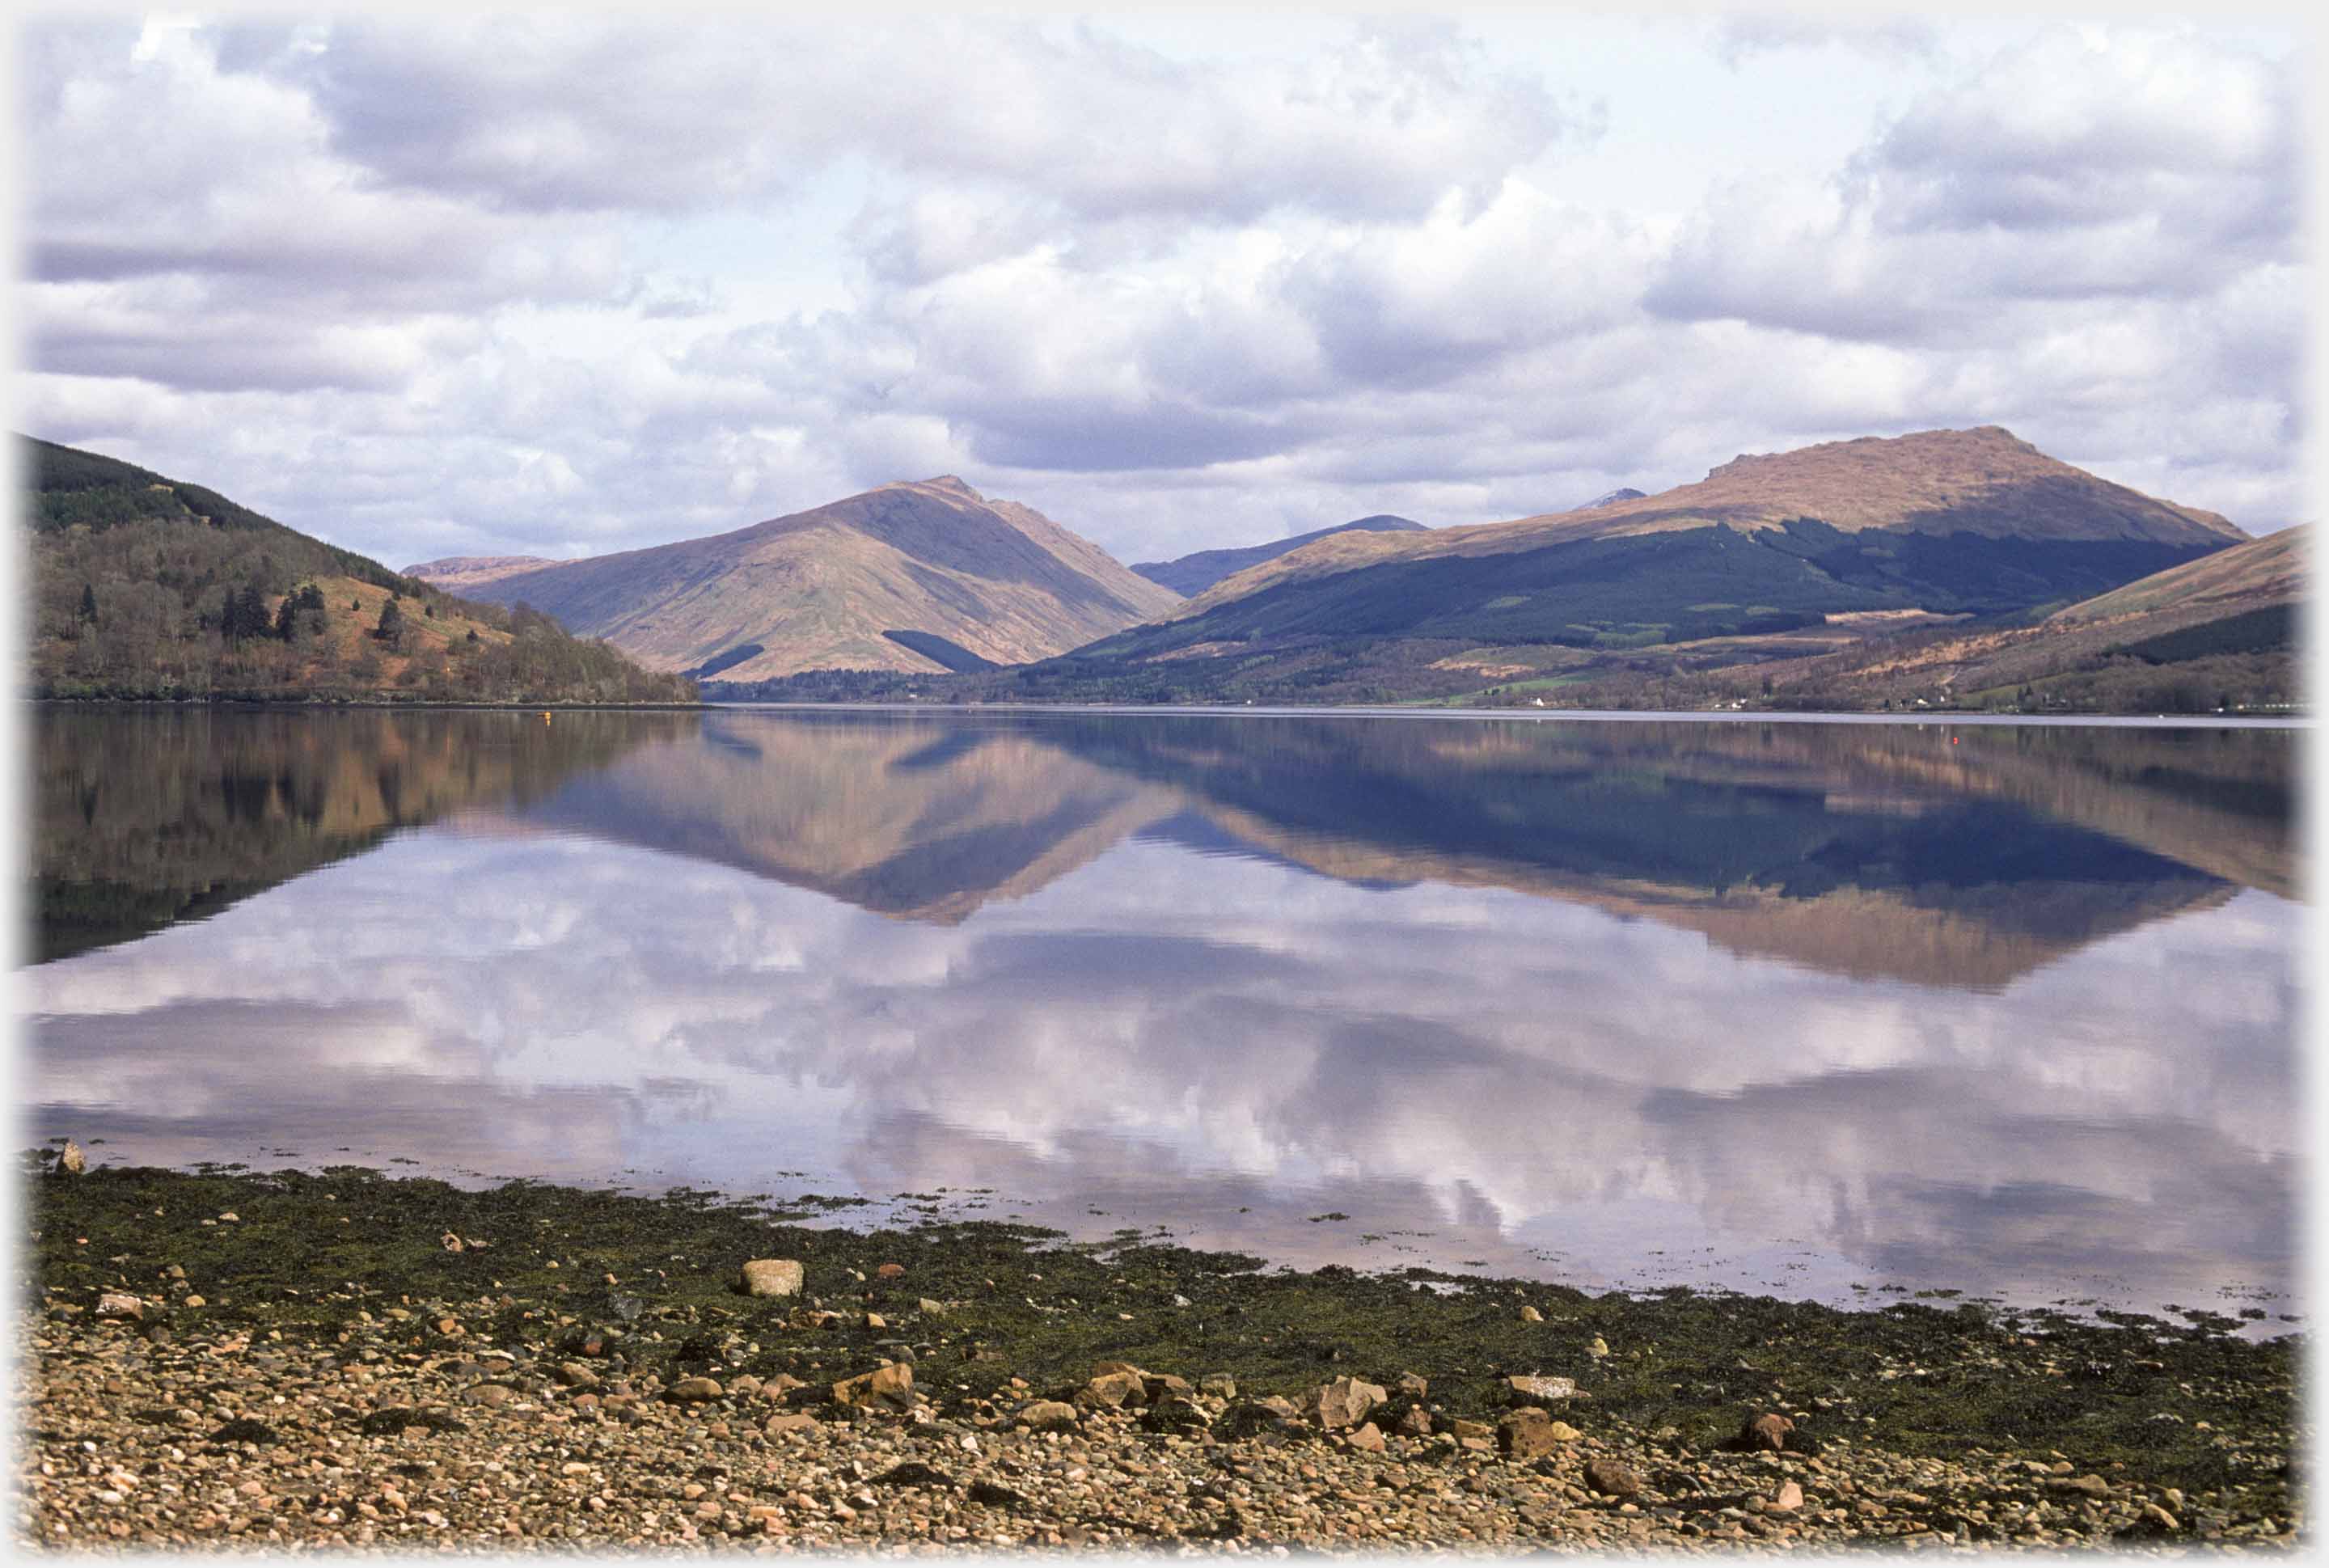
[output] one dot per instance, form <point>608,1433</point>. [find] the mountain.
<point>1971,522</point>
<point>145,587</point>
<point>1193,574</point>
<point>911,578</point>
<point>455,573</point>
<point>1627,493</point>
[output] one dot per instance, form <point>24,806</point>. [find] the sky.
<point>562,285</point>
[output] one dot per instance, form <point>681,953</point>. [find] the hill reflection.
<point>1895,852</point>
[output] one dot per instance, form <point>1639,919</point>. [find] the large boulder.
<point>1345,1402</point>
<point>1048,1415</point>
<point>774,1277</point>
<point>1114,1389</point>
<point>888,1386</point>
<point>1529,1433</point>
<point>1611,1478</point>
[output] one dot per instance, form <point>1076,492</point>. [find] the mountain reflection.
<point>1874,851</point>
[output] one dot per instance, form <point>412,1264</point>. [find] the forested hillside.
<point>144,587</point>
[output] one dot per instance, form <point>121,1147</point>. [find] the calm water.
<point>1838,1010</point>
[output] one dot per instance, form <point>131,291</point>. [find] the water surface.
<point>1837,1010</point>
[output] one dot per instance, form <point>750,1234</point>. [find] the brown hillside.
<point>2267,571</point>
<point>818,590</point>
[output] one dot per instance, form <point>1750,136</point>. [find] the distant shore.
<point>342,1357</point>
<point>1534,715</point>
<point>305,704</point>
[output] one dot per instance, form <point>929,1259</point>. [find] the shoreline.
<point>295,1357</point>
<point>1197,709</point>
<point>1533,715</point>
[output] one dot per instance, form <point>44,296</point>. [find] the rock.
<point>244,1431</point>
<point>1368,1438</point>
<point>774,1277</point>
<point>1766,1432</point>
<point>1165,1386</point>
<point>1345,1402</point>
<point>114,1304</point>
<point>2092,1485</point>
<point>1255,1418</point>
<point>995,1495</point>
<point>1599,1349</point>
<point>1220,1385</point>
<point>1048,1415</point>
<point>779,1386</point>
<point>913,1473</point>
<point>789,1421</point>
<point>1787,1500</point>
<point>1531,1315</point>
<point>890,1386</point>
<point>1538,1390</point>
<point>71,1161</point>
<point>489,1395</point>
<point>875,1321</point>
<point>452,1243</point>
<point>1611,1478</point>
<point>574,1375</point>
<point>2155,1515</point>
<point>1176,1412</point>
<point>1463,1429</point>
<point>1114,1389</point>
<point>930,1309</point>
<point>891,1272</point>
<point>1526,1434</point>
<point>696,1390</point>
<point>196,1301</point>
<point>1413,1386</point>
<point>1415,1422</point>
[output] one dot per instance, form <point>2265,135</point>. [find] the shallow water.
<point>1837,1010</point>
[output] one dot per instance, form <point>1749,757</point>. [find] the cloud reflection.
<point>1174,1037</point>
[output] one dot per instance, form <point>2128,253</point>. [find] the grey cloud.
<point>545,115</point>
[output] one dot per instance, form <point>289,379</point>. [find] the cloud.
<point>2082,165</point>
<point>545,114</point>
<point>386,280</point>
<point>1740,37</point>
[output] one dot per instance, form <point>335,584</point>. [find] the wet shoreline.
<point>606,1316</point>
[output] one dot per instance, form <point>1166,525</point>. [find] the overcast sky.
<point>561,285</point>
